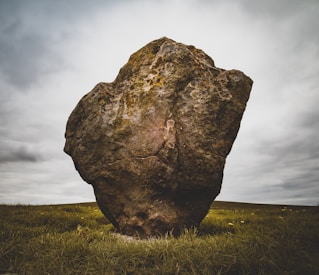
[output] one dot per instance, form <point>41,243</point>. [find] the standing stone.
<point>153,143</point>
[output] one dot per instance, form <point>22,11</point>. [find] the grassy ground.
<point>233,239</point>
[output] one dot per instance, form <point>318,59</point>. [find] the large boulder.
<point>153,143</point>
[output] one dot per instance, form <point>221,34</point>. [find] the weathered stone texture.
<point>153,143</point>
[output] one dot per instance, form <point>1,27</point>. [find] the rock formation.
<point>153,143</point>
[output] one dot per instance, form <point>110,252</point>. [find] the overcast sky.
<point>54,52</point>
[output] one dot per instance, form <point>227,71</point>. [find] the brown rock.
<point>153,143</point>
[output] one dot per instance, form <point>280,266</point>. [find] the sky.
<point>52,52</point>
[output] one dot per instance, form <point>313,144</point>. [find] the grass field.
<point>234,238</point>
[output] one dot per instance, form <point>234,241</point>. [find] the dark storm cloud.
<point>32,34</point>
<point>287,163</point>
<point>32,41</point>
<point>20,154</point>
<point>20,60</point>
<point>51,51</point>
<point>22,44</point>
<point>287,155</point>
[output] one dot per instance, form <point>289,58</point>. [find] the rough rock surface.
<point>153,143</point>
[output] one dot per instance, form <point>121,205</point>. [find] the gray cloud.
<point>53,52</point>
<point>32,34</point>
<point>22,46</point>
<point>21,154</point>
<point>275,9</point>
<point>279,166</point>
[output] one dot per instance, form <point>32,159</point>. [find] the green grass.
<point>234,238</point>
